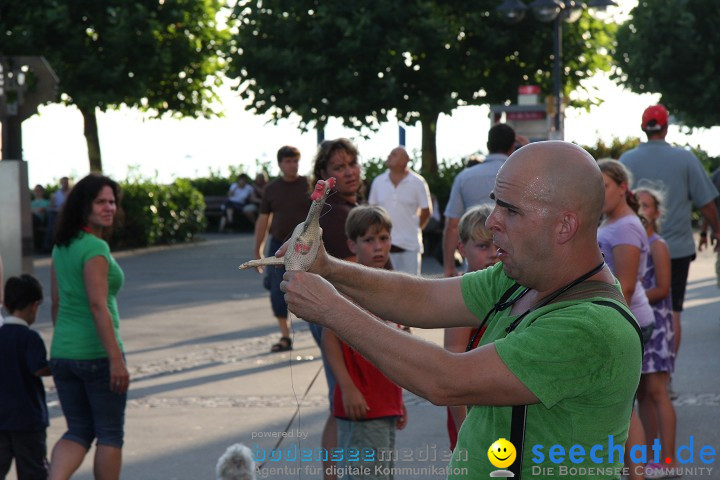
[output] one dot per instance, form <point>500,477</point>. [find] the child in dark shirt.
<point>23,360</point>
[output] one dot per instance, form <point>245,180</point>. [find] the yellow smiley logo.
<point>501,453</point>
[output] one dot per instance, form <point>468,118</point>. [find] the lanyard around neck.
<point>503,304</point>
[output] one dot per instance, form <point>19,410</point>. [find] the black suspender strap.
<point>519,412</point>
<point>517,438</point>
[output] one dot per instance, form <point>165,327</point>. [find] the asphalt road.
<point>197,333</point>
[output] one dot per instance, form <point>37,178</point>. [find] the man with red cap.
<point>681,177</point>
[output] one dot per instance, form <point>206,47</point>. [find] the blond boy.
<point>475,244</point>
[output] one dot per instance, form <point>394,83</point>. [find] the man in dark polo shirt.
<point>285,204</point>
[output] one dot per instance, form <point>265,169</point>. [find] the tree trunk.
<point>92,139</point>
<point>429,145</point>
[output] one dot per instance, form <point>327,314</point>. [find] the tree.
<point>163,57</point>
<point>421,58</point>
<point>673,47</point>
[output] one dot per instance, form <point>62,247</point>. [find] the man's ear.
<point>567,227</point>
<point>352,246</point>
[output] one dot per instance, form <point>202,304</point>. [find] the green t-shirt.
<point>75,335</point>
<point>581,360</point>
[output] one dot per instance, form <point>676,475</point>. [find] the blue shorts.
<point>275,274</point>
<point>90,408</point>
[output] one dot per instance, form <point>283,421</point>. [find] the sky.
<point>54,145</point>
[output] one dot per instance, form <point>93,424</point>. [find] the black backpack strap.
<point>517,438</point>
<point>519,412</point>
<point>626,316</point>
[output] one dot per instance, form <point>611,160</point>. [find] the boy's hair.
<point>287,152</point>
<point>362,218</point>
<point>472,224</point>
<point>22,291</point>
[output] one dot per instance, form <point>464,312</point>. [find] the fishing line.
<point>292,378</point>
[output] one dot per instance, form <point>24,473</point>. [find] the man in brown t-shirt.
<point>285,204</point>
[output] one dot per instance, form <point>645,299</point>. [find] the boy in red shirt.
<point>368,406</point>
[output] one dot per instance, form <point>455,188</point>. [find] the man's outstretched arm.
<point>394,296</point>
<point>421,367</point>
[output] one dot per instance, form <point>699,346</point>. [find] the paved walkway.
<point>197,332</point>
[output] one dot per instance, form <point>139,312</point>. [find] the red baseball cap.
<point>654,118</point>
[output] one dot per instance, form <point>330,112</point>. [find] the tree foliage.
<point>163,57</point>
<point>419,58</point>
<point>673,47</point>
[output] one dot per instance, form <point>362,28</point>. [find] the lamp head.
<point>547,10</point>
<point>512,11</point>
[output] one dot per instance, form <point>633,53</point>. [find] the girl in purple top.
<point>623,240</point>
<point>624,244</point>
<point>656,408</point>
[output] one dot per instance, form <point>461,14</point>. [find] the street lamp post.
<point>556,11</point>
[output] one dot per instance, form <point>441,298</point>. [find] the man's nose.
<point>492,223</point>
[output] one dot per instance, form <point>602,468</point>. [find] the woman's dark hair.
<point>78,206</point>
<point>325,152</point>
<point>22,291</point>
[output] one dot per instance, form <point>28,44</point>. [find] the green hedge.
<point>159,214</point>
<point>613,149</point>
<point>215,184</point>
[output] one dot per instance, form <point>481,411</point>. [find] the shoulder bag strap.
<point>517,438</point>
<point>519,412</point>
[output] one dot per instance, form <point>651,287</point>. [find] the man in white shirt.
<point>238,199</point>
<point>406,197</point>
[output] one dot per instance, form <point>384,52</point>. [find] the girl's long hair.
<point>619,174</point>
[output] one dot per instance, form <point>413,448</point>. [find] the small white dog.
<point>236,464</point>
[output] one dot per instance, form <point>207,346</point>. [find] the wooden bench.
<point>213,206</point>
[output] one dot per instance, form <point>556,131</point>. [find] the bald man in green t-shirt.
<point>559,338</point>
